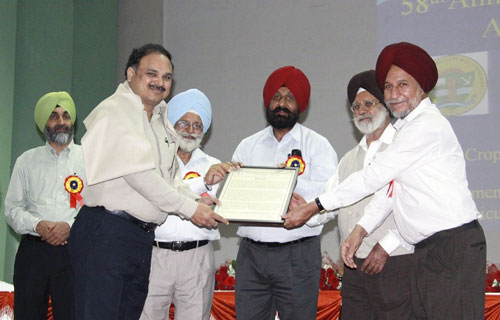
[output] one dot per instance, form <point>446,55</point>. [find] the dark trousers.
<point>111,259</point>
<point>283,279</point>
<point>381,296</point>
<point>448,278</point>
<point>41,270</point>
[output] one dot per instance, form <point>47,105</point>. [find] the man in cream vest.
<point>380,289</point>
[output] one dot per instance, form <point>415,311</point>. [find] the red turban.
<point>292,78</point>
<point>412,59</point>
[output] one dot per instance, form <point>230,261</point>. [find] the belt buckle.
<point>177,245</point>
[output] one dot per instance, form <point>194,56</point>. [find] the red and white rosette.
<point>296,162</point>
<point>74,185</point>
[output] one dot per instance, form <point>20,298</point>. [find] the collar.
<point>196,155</point>
<point>422,107</point>
<point>124,88</point>
<point>51,150</point>
<point>294,133</point>
<point>387,137</point>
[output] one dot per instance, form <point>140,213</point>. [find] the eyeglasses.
<point>368,104</point>
<point>288,98</point>
<point>182,124</point>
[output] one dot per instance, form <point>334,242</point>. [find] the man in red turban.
<point>279,269</point>
<point>423,174</point>
<point>292,78</point>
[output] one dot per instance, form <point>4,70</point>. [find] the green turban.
<point>49,102</point>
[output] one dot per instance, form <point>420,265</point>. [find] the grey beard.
<point>60,138</point>
<point>189,145</point>
<point>373,124</point>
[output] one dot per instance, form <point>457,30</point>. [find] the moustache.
<point>155,87</point>
<point>189,135</point>
<point>361,117</point>
<point>285,110</point>
<point>61,126</point>
<point>387,102</point>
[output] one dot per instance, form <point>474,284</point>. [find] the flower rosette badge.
<point>295,161</point>
<point>225,276</point>
<point>191,175</point>
<point>74,186</point>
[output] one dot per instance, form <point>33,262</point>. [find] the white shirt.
<point>262,149</point>
<point>176,228</point>
<point>427,165</point>
<point>360,157</point>
<point>36,190</point>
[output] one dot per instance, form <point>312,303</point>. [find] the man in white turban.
<point>182,264</point>
<point>42,201</point>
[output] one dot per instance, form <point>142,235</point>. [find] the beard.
<point>412,104</point>
<point>279,121</point>
<point>62,137</point>
<point>186,144</point>
<point>367,127</point>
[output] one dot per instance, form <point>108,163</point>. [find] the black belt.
<point>146,226</point>
<point>278,244</point>
<point>439,235</point>
<point>32,237</point>
<point>180,245</point>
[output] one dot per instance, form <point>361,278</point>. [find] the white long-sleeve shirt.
<point>36,190</point>
<point>175,227</point>
<point>427,165</point>
<point>262,149</point>
<point>357,158</point>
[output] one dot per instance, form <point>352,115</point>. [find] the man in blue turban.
<point>182,264</point>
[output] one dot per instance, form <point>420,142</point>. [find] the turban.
<point>292,78</point>
<point>365,80</point>
<point>49,102</point>
<point>192,99</point>
<point>412,59</point>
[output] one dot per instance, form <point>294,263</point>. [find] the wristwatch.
<point>320,206</point>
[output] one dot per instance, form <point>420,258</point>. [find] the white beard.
<point>367,127</point>
<point>189,145</point>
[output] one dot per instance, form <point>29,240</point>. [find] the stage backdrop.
<point>227,48</point>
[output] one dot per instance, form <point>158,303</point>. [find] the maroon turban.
<point>292,78</point>
<point>365,80</point>
<point>412,59</point>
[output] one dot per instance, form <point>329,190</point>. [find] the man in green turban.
<point>42,201</point>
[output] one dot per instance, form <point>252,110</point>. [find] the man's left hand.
<point>375,261</point>
<point>299,215</point>
<point>58,234</point>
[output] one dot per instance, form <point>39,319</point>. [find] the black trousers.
<point>283,279</point>
<point>381,296</point>
<point>41,270</point>
<point>449,271</point>
<point>111,260</point>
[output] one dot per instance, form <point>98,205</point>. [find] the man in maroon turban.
<point>279,269</point>
<point>423,174</point>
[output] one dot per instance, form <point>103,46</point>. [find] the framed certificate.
<point>256,194</point>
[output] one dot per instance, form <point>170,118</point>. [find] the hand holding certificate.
<point>256,194</point>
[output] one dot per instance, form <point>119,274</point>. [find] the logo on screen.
<point>461,85</point>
